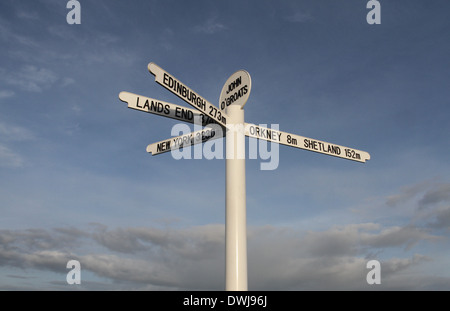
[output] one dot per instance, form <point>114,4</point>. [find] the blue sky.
<point>77,183</point>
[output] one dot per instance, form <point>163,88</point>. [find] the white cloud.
<point>9,35</point>
<point>67,81</point>
<point>6,94</point>
<point>10,132</point>
<point>9,158</point>
<point>211,26</point>
<point>30,78</point>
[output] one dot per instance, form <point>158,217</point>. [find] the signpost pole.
<point>235,219</point>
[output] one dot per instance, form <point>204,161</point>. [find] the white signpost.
<point>232,99</point>
<point>230,117</point>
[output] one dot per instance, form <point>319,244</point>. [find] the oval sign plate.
<point>236,90</point>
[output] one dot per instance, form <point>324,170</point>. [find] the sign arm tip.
<point>149,149</point>
<point>123,96</point>
<point>152,67</point>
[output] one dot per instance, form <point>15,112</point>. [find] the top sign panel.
<point>187,94</point>
<point>236,90</point>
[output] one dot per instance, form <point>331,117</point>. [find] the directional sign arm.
<point>297,141</point>
<point>187,94</point>
<point>186,140</point>
<point>158,107</point>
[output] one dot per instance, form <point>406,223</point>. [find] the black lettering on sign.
<point>187,114</point>
<point>350,153</point>
<point>184,92</point>
<point>292,141</point>
<point>147,106</point>
<point>251,130</point>
<point>178,112</point>
<point>235,96</point>
<point>166,80</point>
<point>310,144</point>
<point>207,120</point>
<point>334,149</point>
<point>155,106</point>
<point>234,84</point>
<point>137,103</point>
<point>163,146</point>
<point>321,147</point>
<point>184,113</point>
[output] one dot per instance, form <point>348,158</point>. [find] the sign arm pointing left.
<point>161,108</point>
<point>187,94</point>
<point>186,140</point>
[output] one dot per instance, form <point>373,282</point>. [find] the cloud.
<point>6,94</point>
<point>9,158</point>
<point>67,81</point>
<point>357,239</point>
<point>441,218</point>
<point>397,236</point>
<point>441,193</point>
<point>10,132</point>
<point>7,34</point>
<point>30,78</point>
<point>408,193</point>
<point>193,258</point>
<point>424,195</point>
<point>211,26</point>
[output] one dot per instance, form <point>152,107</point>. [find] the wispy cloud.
<point>211,26</point>
<point>11,132</point>
<point>9,35</point>
<point>6,94</point>
<point>30,78</point>
<point>439,194</point>
<point>409,193</point>
<point>442,218</point>
<point>9,158</point>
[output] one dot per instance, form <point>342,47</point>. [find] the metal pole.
<point>235,222</point>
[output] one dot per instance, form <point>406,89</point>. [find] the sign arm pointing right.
<point>301,142</point>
